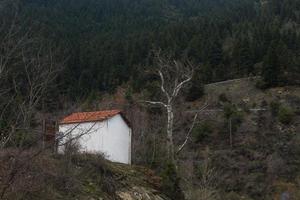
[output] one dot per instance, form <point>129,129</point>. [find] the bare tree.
<point>174,76</point>
<point>208,180</point>
<point>28,67</point>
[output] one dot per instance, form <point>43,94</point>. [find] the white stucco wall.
<point>111,137</point>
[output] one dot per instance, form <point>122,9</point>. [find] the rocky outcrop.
<point>140,193</point>
<point>137,183</point>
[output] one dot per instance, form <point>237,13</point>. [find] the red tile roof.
<point>89,116</point>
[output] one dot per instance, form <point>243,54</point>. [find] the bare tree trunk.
<point>174,76</point>
<point>170,145</point>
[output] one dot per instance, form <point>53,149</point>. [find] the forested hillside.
<point>109,42</point>
<point>210,89</point>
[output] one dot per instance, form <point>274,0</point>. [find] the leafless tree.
<point>174,76</point>
<point>207,185</point>
<point>28,67</point>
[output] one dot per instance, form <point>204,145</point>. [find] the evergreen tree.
<point>271,66</point>
<point>109,40</point>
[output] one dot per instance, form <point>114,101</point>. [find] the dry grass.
<point>50,176</point>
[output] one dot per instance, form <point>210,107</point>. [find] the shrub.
<point>23,139</point>
<point>235,196</point>
<point>128,95</point>
<point>274,106</point>
<point>255,184</point>
<point>232,196</point>
<point>261,84</point>
<point>223,98</point>
<point>170,182</point>
<point>285,115</point>
<point>204,193</point>
<point>195,92</point>
<point>244,106</point>
<point>229,110</point>
<point>202,131</point>
<point>238,118</point>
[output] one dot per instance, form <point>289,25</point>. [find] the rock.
<point>140,193</point>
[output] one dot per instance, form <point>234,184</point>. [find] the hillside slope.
<point>81,177</point>
<point>109,42</point>
<point>261,158</point>
<point>263,161</point>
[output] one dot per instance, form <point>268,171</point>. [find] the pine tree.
<point>243,57</point>
<point>271,66</point>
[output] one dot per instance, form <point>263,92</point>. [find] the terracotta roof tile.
<point>89,116</point>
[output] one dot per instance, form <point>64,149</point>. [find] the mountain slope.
<point>109,42</point>
<point>82,177</point>
<point>248,139</point>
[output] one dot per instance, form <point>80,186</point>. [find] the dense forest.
<point>109,42</point>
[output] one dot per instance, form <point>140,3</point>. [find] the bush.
<point>223,98</point>
<point>235,196</point>
<point>170,182</point>
<point>285,115</point>
<point>233,119</point>
<point>129,95</point>
<point>195,92</point>
<point>23,139</point>
<point>274,106</point>
<point>202,131</point>
<point>232,196</point>
<point>255,184</point>
<point>229,110</point>
<point>244,107</point>
<point>261,84</point>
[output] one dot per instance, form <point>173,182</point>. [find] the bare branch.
<point>180,85</point>
<point>156,103</point>
<point>174,75</point>
<point>188,135</point>
<point>163,85</point>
